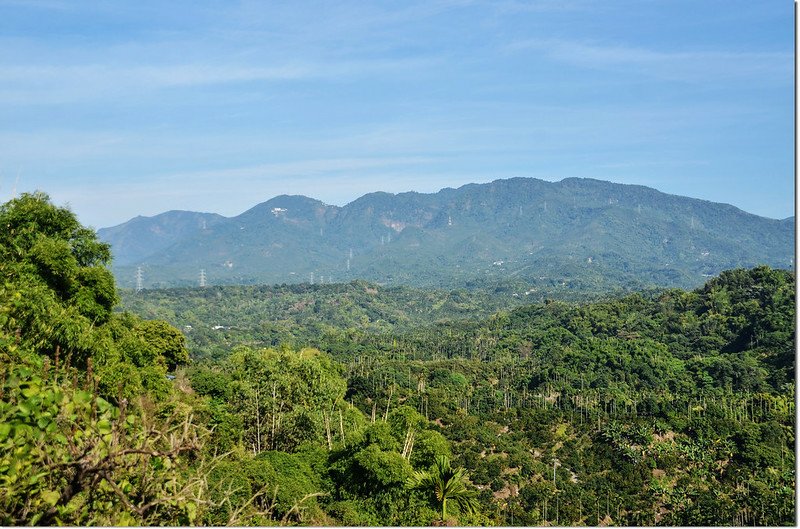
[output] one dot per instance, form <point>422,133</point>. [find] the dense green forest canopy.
<point>390,407</point>
<point>218,317</point>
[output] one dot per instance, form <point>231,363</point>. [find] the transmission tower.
<point>202,277</point>
<point>139,279</point>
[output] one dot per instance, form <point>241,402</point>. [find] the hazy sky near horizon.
<point>127,108</point>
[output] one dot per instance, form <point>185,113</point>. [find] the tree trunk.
<point>258,424</point>
<point>388,401</point>
<point>327,418</point>
<point>341,426</point>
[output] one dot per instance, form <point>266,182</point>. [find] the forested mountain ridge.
<point>575,233</point>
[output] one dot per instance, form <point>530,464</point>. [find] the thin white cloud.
<point>62,145</point>
<point>641,164</point>
<point>297,169</point>
<point>63,83</point>
<point>687,66</point>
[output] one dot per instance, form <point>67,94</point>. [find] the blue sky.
<point>127,108</point>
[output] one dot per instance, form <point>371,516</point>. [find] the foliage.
<point>92,432</point>
<point>661,407</point>
<point>446,484</point>
<point>165,344</point>
<point>216,319</point>
<point>71,457</point>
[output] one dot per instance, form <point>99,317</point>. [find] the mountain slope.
<point>572,234</point>
<point>141,237</point>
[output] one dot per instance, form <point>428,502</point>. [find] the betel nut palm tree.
<point>446,483</point>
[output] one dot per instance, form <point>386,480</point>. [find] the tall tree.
<point>54,284</point>
<point>446,483</point>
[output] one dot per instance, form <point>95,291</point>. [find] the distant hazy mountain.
<point>141,237</point>
<point>574,233</point>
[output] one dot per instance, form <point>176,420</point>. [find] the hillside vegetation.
<point>218,317</point>
<point>663,408</point>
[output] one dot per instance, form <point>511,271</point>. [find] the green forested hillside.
<point>216,318</point>
<point>662,408</point>
<point>643,381</point>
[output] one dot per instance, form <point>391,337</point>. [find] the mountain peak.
<point>283,205</point>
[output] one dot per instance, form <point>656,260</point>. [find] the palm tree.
<point>446,483</point>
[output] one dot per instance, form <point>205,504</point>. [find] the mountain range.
<point>573,234</point>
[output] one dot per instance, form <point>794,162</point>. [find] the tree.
<point>50,242</point>
<point>446,483</point>
<point>166,343</point>
<point>55,288</point>
<point>285,397</point>
<point>91,431</point>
